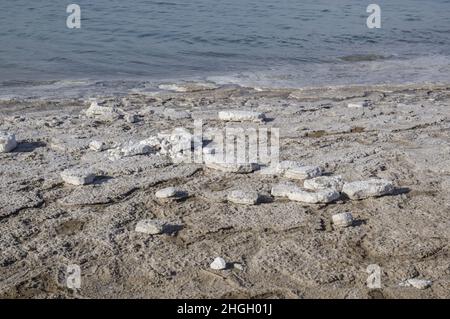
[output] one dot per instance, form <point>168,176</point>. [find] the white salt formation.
<point>284,190</point>
<point>342,219</point>
<point>324,196</point>
<point>218,264</point>
<point>358,104</point>
<point>97,146</point>
<point>303,172</point>
<point>324,182</point>
<point>244,197</point>
<point>369,188</point>
<point>100,112</point>
<point>171,193</point>
<point>7,142</point>
<point>241,116</point>
<point>150,227</point>
<point>78,176</point>
<point>419,283</point>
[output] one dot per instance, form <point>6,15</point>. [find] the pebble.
<point>97,146</point>
<point>320,197</point>
<point>218,264</point>
<point>342,219</point>
<point>102,112</point>
<point>303,172</point>
<point>150,227</point>
<point>369,188</point>
<point>173,114</point>
<point>324,182</point>
<point>244,197</point>
<point>241,116</point>
<point>78,176</point>
<point>131,118</point>
<point>419,283</point>
<point>358,104</point>
<point>171,192</point>
<point>7,142</point>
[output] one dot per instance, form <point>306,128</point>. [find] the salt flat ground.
<point>286,249</point>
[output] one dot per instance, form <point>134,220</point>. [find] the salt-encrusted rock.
<point>369,188</point>
<point>218,264</point>
<point>150,227</point>
<point>131,118</point>
<point>78,176</point>
<point>102,112</point>
<point>283,190</point>
<point>418,283</point>
<point>97,146</point>
<point>171,193</point>
<point>7,142</point>
<point>243,168</point>
<point>324,182</point>
<point>133,149</point>
<point>173,114</point>
<point>358,104</point>
<point>244,197</point>
<point>303,172</point>
<point>319,197</point>
<point>342,219</point>
<point>130,149</point>
<point>241,116</point>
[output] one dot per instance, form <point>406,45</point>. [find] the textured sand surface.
<point>287,249</point>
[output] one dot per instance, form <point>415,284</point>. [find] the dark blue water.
<point>284,42</point>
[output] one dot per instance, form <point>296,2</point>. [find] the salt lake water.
<point>124,44</point>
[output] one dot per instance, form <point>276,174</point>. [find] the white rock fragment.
<point>173,114</point>
<point>218,264</point>
<point>131,118</point>
<point>97,146</point>
<point>7,142</point>
<point>319,197</point>
<point>358,104</point>
<point>241,116</point>
<point>342,219</point>
<point>170,193</point>
<point>243,197</point>
<point>130,149</point>
<point>303,172</point>
<point>237,168</point>
<point>102,112</point>
<point>418,283</point>
<point>150,227</point>
<point>284,190</point>
<point>133,149</point>
<point>324,182</point>
<point>369,188</point>
<point>78,176</point>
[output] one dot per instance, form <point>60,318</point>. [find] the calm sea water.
<point>122,44</point>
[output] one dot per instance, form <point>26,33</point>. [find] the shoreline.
<point>401,134</point>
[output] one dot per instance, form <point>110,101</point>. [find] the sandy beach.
<point>275,247</point>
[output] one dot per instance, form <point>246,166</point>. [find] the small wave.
<point>363,58</point>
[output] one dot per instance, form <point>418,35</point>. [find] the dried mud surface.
<point>287,249</point>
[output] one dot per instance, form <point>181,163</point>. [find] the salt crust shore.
<point>402,135</point>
